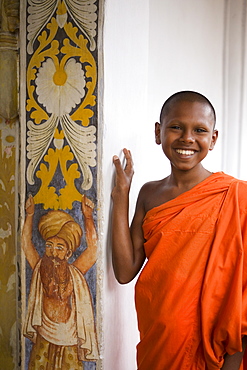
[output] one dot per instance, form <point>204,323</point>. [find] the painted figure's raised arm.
<point>26,240</point>
<point>88,257</point>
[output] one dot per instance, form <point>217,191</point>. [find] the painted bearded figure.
<point>60,320</point>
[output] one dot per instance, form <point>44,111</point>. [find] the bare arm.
<point>233,362</point>
<point>31,253</point>
<point>88,257</point>
<point>127,243</point>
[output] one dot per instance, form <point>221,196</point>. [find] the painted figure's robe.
<point>63,340</point>
<point>191,296</point>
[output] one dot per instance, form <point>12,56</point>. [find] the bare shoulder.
<point>153,194</point>
<point>149,187</point>
<point>144,197</point>
<point>150,196</point>
<point>152,185</point>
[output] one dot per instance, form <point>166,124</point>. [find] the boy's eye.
<point>201,130</point>
<point>175,127</point>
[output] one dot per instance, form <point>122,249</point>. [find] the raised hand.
<point>123,175</point>
<point>87,206</point>
<point>26,240</point>
<point>30,205</point>
<point>89,256</point>
<point>127,242</point>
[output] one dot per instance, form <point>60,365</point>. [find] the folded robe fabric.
<point>191,296</point>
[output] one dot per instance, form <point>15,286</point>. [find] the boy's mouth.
<point>185,152</point>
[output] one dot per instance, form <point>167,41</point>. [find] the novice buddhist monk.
<point>191,226</point>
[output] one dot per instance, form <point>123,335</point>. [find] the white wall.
<point>152,49</point>
<point>185,53</point>
<point>235,89</point>
<point>125,112</point>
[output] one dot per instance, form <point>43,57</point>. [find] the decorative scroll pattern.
<point>61,82</point>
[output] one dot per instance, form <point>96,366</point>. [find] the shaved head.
<point>190,96</point>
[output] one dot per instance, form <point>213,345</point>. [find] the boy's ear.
<point>157,133</point>
<point>214,139</point>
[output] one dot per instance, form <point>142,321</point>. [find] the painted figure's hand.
<point>89,256</point>
<point>30,205</point>
<point>26,239</point>
<point>123,175</point>
<point>87,207</point>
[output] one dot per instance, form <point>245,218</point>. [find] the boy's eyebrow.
<point>182,122</point>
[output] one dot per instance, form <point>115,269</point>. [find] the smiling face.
<point>186,133</point>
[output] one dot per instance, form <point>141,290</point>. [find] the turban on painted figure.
<point>62,225</point>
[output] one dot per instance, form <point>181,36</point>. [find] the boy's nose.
<point>187,137</point>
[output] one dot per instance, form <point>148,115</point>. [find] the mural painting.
<point>9,144</point>
<point>8,270</point>
<point>59,234</point>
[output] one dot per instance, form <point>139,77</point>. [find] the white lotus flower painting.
<point>65,85</point>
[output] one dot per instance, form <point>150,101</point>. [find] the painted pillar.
<point>60,201</point>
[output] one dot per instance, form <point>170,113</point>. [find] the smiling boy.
<point>191,227</point>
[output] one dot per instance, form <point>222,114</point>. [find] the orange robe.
<point>191,296</point>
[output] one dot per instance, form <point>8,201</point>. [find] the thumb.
<point>116,162</point>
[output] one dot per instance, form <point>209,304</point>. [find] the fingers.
<point>115,160</point>
<point>117,164</point>
<point>124,175</point>
<point>129,161</point>
<point>127,153</point>
<point>29,205</point>
<point>29,201</point>
<point>87,202</point>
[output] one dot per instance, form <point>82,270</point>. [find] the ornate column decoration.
<point>60,63</point>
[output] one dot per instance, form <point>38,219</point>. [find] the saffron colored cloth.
<point>191,296</point>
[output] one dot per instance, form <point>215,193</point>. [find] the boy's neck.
<point>187,179</point>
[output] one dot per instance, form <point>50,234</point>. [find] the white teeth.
<point>185,152</point>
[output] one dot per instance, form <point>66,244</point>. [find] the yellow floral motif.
<point>59,135</point>
<point>47,194</point>
<point>61,9</point>
<point>61,80</point>
<point>38,114</point>
<point>85,56</point>
<point>43,52</point>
